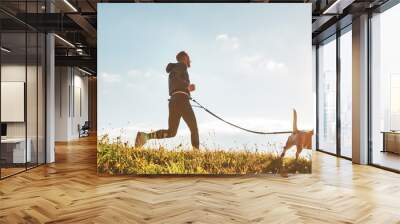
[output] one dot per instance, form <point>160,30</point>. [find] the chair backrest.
<point>86,124</point>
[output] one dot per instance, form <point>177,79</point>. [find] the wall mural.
<point>204,89</point>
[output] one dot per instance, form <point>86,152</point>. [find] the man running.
<point>179,106</point>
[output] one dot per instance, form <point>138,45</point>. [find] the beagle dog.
<point>300,139</point>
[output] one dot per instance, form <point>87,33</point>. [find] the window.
<point>385,89</point>
<point>346,93</point>
<point>394,102</point>
<point>327,96</point>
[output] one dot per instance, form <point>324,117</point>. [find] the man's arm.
<point>190,87</point>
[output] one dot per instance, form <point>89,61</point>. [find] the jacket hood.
<point>175,67</point>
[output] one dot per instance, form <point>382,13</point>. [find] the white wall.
<point>62,81</point>
<point>70,83</point>
<point>79,117</point>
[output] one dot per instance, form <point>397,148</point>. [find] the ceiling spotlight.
<point>70,5</point>
<point>5,50</point>
<point>84,71</point>
<point>65,41</point>
<point>79,51</point>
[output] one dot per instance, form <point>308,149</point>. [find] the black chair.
<point>84,130</point>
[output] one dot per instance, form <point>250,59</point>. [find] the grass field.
<point>116,157</point>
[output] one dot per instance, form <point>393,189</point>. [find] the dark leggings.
<point>179,106</point>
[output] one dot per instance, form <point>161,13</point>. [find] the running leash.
<point>237,126</point>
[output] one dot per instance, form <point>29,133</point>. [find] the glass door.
<point>14,153</point>
<point>22,77</point>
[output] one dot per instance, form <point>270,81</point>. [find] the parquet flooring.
<point>70,191</point>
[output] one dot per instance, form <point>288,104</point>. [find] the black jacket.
<point>178,79</point>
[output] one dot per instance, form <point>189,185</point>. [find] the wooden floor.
<point>5,172</point>
<point>70,191</point>
<point>386,159</point>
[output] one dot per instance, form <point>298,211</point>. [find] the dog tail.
<point>294,121</point>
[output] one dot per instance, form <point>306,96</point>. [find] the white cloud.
<point>131,75</point>
<point>136,73</point>
<point>222,36</point>
<point>228,42</point>
<point>261,65</point>
<point>255,64</point>
<point>145,78</point>
<point>112,78</point>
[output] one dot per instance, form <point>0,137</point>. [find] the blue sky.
<point>251,63</point>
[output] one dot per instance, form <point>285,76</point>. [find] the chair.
<point>84,130</point>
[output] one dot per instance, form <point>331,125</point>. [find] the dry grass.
<point>116,157</point>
